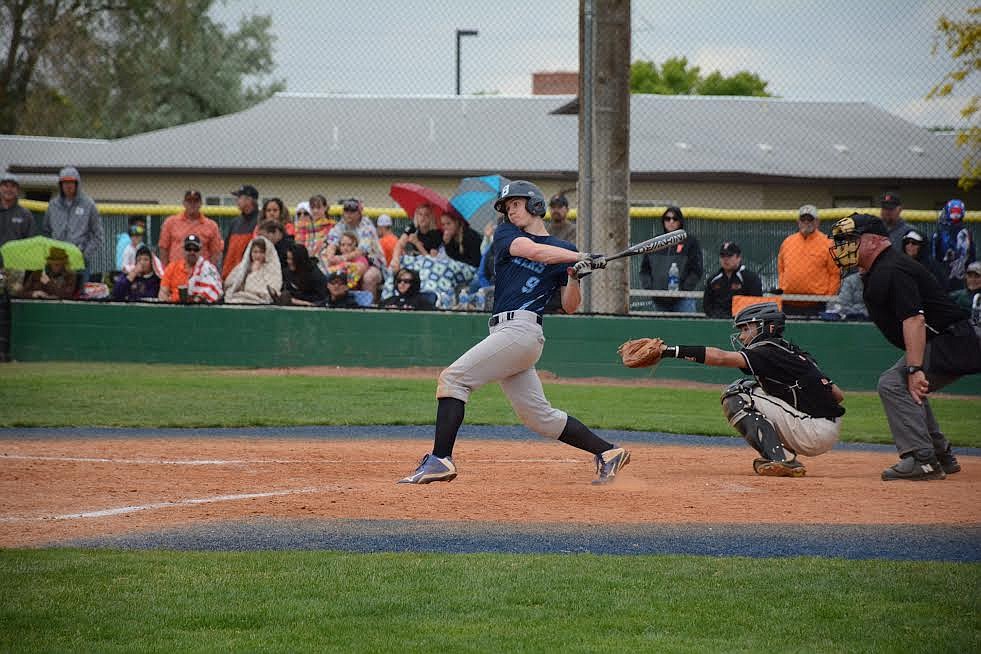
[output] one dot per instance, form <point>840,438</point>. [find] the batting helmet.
<point>767,317</point>
<point>534,198</point>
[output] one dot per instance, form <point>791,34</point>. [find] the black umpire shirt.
<point>898,287</point>
<point>790,374</point>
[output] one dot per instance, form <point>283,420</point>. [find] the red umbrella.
<point>409,196</point>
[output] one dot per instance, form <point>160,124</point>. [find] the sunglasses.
<point>405,281</point>
<point>806,218</point>
<point>303,213</point>
<point>675,218</point>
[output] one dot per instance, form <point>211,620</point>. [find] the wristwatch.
<point>911,369</point>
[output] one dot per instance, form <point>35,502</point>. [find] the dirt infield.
<point>57,490</point>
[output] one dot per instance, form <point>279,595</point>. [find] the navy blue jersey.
<point>520,283</point>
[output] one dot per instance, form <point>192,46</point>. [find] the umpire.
<point>939,343</point>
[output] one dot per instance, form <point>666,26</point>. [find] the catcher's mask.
<point>767,317</point>
<point>846,234</point>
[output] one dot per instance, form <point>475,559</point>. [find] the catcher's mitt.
<point>641,352</point>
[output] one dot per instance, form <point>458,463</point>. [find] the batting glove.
<point>581,269</point>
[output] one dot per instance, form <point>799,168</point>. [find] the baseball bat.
<point>652,244</point>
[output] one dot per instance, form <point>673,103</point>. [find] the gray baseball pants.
<point>508,355</point>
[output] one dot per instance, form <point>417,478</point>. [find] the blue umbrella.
<point>474,199</point>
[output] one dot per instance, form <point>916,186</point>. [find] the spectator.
<point>804,264</point>
<point>137,233</point>
<point>421,236</point>
<point>891,208</point>
<point>140,282</point>
<point>16,222</point>
<point>559,225</point>
<point>123,239</point>
<point>303,284</point>
<point>176,228</point>
<point>732,279</point>
<point>275,209</point>
<point>316,225</point>
<point>257,276</point>
<point>849,304</point>
<point>952,245</point>
<point>386,239</point>
<point>273,231</point>
<point>969,297</point>
<point>193,274</point>
<point>407,295</point>
<point>56,282</point>
<point>461,242</point>
<point>914,244</point>
<point>355,221</point>
<point>338,294</point>
<point>350,260</point>
<point>73,217</point>
<point>654,267</point>
<point>240,233</point>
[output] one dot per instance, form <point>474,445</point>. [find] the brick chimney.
<point>555,83</point>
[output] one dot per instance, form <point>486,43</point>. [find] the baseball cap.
<point>384,220</point>
<point>247,189</point>
<point>808,210</point>
<point>192,242</point>
<point>68,174</point>
<point>890,199</point>
<point>914,236</point>
<point>974,267</point>
<point>337,276</point>
<point>729,248</point>
<point>192,193</point>
<point>9,177</point>
<point>352,204</point>
<point>558,200</point>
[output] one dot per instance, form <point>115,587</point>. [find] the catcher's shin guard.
<point>758,431</point>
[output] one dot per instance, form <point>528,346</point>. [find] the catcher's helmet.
<point>767,316</point>
<point>951,214</point>
<point>846,233</point>
<point>519,188</point>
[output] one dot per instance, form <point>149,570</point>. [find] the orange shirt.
<point>177,227</point>
<point>388,243</point>
<point>177,274</point>
<point>805,266</point>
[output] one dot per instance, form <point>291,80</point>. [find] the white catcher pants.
<point>803,433</point>
<point>508,355</point>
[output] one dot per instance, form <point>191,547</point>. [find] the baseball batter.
<point>789,407</point>
<point>530,267</point>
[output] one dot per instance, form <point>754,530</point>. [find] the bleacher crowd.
<point>268,256</point>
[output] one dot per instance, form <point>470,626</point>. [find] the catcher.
<point>789,407</point>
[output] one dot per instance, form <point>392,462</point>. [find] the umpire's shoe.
<point>608,464</point>
<point>918,466</point>
<point>768,468</point>
<point>431,468</point>
<point>948,462</point>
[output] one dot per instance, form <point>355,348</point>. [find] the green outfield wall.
<point>578,346</point>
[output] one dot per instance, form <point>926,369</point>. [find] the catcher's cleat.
<point>767,468</point>
<point>948,462</point>
<point>608,464</point>
<point>431,468</point>
<point>915,468</point>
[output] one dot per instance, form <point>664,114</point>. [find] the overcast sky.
<point>878,52</point>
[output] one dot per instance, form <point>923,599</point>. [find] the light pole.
<point>459,35</point>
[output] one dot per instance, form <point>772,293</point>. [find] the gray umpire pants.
<point>913,426</point>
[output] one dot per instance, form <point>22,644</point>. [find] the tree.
<point>963,41</point>
<point>110,68</point>
<point>676,78</point>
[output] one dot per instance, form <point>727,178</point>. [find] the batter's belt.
<point>521,314</point>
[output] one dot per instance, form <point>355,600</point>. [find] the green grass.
<point>66,600</point>
<point>138,395</point>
